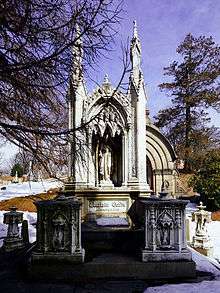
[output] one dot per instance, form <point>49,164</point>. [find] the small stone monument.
<point>16,180</point>
<point>59,231</point>
<point>165,236</point>
<point>201,241</point>
<point>13,240</point>
<point>163,220</point>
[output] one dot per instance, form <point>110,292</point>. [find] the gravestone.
<point>201,240</point>
<point>13,241</point>
<point>108,174</point>
<point>59,231</point>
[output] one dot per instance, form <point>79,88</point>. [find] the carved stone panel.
<point>59,229</point>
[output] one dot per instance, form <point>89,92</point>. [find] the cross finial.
<point>201,206</point>
<point>135,31</point>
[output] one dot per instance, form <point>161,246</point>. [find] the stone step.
<point>113,266</point>
<point>113,239</point>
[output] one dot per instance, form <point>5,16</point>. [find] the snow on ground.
<point>30,217</point>
<point>112,221</point>
<point>27,188</point>
<point>214,233</point>
<point>213,229</point>
<point>202,287</point>
<point>205,264</point>
<point>191,207</point>
<point>24,189</point>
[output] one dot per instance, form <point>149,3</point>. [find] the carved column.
<point>125,158</point>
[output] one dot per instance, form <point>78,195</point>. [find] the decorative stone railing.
<point>59,230</point>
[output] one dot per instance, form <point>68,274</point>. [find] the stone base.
<point>108,239</point>
<point>113,266</point>
<point>13,244</point>
<point>203,245</point>
<point>40,258</point>
<point>158,256</point>
<point>106,184</point>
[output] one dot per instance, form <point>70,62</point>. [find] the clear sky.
<point>162,25</point>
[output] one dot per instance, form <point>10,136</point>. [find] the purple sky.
<point>162,25</point>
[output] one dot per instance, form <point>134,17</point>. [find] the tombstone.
<point>16,179</point>
<point>201,240</point>
<point>13,241</point>
<point>108,171</point>
<point>120,152</point>
<point>59,231</point>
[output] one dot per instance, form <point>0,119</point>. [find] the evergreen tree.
<point>17,168</point>
<point>194,86</point>
<point>207,180</point>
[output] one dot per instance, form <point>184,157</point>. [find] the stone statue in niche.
<point>58,233</point>
<point>13,229</point>
<point>165,225</point>
<point>105,164</point>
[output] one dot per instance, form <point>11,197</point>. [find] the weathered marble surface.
<point>59,230</point>
<point>165,232</point>
<point>13,240</point>
<point>201,240</point>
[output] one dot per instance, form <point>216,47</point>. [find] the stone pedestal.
<point>13,240</point>
<point>59,231</point>
<point>201,240</point>
<point>165,233</point>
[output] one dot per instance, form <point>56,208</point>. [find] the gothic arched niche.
<point>107,157</point>
<point>108,129</point>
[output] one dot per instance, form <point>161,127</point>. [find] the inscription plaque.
<point>108,205</point>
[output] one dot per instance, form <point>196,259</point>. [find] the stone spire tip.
<point>106,79</point>
<point>135,31</point>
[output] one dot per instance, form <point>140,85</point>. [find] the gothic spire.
<point>135,55</point>
<point>135,31</point>
<point>106,79</point>
<point>77,73</point>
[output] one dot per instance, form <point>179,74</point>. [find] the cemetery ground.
<point>13,266</point>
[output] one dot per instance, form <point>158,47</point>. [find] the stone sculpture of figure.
<point>165,227</point>
<point>201,226</point>
<point>58,235</point>
<point>13,229</point>
<point>101,164</point>
<point>105,163</point>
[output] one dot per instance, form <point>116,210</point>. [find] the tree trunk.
<point>187,164</point>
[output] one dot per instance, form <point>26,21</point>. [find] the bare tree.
<point>38,40</point>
